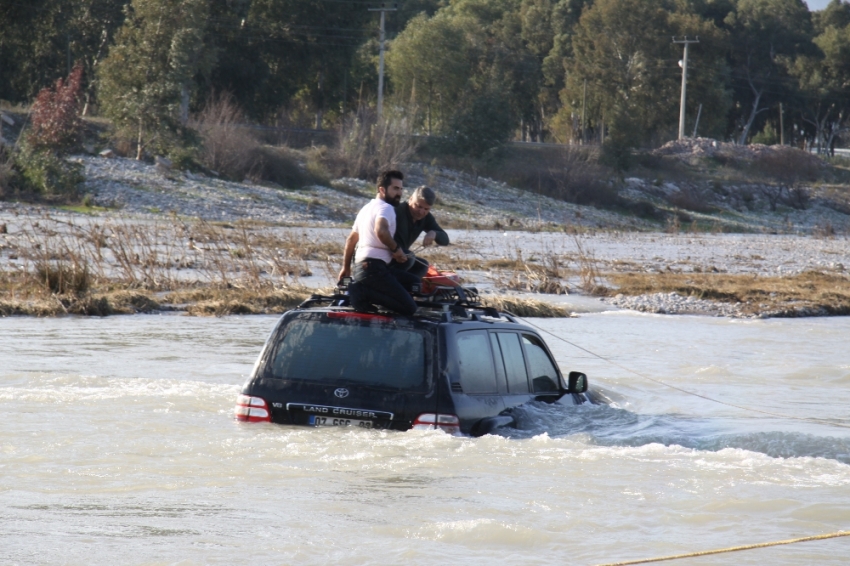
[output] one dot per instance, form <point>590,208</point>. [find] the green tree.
<point>623,51</point>
<point>502,58</point>
<point>41,40</point>
<point>482,124</point>
<point>765,33</point>
<point>145,80</point>
<point>429,64</point>
<point>555,65</point>
<point>275,54</point>
<point>823,82</point>
<point>835,15</point>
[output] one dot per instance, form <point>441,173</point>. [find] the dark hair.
<point>385,178</point>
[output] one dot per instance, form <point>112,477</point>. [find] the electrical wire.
<point>680,389</point>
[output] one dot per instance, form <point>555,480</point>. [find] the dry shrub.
<point>229,148</point>
<point>527,276</point>
<point>829,292</point>
<point>127,301</point>
<point>588,270</point>
<point>61,277</point>
<point>536,279</point>
<point>826,230</point>
<point>521,306</point>
<point>55,261</point>
<point>282,166</point>
<point>7,172</point>
<point>694,198</point>
<point>789,167</point>
<point>222,302</point>
<point>111,268</point>
<point>56,123</point>
<point>368,146</point>
<point>576,177</point>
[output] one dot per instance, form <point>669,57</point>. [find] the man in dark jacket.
<point>412,218</point>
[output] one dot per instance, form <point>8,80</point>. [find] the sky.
<point>816,4</point>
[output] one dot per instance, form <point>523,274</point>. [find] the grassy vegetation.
<point>94,268</point>
<point>521,306</point>
<point>812,290</point>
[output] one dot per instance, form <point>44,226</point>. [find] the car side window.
<point>497,357</point>
<point>477,374</point>
<point>544,375</point>
<point>514,362</point>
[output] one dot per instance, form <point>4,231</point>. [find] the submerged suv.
<point>457,367</point>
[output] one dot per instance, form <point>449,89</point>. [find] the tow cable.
<point>730,549</point>
<point>658,381</point>
<point>719,550</point>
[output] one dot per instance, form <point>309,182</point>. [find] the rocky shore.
<point>495,227</point>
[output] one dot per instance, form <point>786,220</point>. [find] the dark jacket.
<point>407,231</point>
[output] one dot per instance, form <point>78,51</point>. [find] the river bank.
<point>154,239</point>
<point>57,262</point>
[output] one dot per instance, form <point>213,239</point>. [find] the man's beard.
<point>393,201</point>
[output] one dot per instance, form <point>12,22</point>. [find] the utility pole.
<point>781,126</point>
<point>686,42</point>
<point>383,10</point>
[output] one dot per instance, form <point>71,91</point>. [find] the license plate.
<point>335,421</point>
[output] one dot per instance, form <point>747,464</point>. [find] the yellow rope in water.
<point>731,549</point>
<point>658,381</point>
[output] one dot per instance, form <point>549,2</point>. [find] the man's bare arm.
<point>350,244</point>
<point>382,231</point>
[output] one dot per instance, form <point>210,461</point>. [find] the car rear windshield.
<point>367,354</point>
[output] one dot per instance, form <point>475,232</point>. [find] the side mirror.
<point>577,382</point>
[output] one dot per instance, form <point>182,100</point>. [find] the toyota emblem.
<point>341,392</point>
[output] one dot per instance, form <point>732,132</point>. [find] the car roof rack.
<point>446,305</point>
<point>449,312</point>
<point>316,300</point>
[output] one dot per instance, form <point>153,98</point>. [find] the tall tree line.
<point>475,70</point>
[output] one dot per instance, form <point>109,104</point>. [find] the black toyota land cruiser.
<point>460,368</point>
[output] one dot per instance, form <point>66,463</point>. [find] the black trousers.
<point>374,283</point>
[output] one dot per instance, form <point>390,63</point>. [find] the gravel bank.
<point>141,188</point>
<point>529,228</point>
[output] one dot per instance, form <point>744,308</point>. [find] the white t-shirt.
<point>368,245</point>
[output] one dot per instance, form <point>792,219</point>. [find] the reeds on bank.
<point>92,267</point>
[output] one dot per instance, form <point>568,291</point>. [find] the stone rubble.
<point>139,187</point>
<point>673,303</point>
<point>143,190</point>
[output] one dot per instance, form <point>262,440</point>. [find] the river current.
<point>118,446</point>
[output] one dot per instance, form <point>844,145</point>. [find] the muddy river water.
<point>117,446</point>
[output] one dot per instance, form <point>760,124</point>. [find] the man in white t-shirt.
<point>372,236</point>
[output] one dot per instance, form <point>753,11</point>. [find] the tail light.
<point>446,423</point>
<point>252,409</point>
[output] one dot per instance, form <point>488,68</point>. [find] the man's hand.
<point>429,238</point>
<point>344,272</point>
<point>347,254</point>
<point>399,255</point>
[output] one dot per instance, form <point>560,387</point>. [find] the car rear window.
<point>338,352</point>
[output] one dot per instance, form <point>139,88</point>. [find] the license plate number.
<point>333,421</point>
